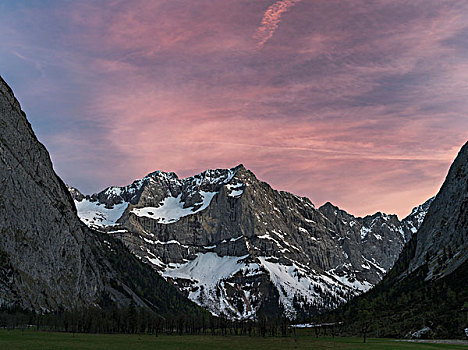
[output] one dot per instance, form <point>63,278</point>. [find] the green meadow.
<point>31,340</point>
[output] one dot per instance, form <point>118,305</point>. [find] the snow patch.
<point>365,231</point>
<point>95,214</point>
<point>293,280</point>
<point>172,209</point>
<point>207,272</point>
<point>236,193</point>
<point>236,190</point>
<point>362,286</point>
<point>155,261</point>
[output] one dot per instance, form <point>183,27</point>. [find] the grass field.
<point>30,340</point>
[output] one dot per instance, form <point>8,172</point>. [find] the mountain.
<point>237,247</point>
<point>427,287</point>
<point>50,260</point>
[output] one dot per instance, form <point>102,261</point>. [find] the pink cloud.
<point>271,20</point>
<point>355,102</point>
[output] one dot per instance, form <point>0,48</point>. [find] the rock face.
<point>442,241</point>
<point>49,259</point>
<point>236,246</point>
<point>45,257</point>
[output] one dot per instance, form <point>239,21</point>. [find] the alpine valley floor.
<point>32,340</point>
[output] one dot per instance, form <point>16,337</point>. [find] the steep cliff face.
<point>46,261</point>
<point>230,242</point>
<point>50,260</point>
<point>442,241</point>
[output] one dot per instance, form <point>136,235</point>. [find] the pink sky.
<point>361,103</point>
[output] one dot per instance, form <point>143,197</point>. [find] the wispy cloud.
<point>361,103</point>
<point>271,20</point>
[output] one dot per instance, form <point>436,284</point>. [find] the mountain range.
<point>237,247</point>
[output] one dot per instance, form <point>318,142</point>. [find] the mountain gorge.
<point>237,247</point>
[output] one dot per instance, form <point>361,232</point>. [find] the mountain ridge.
<point>230,208</point>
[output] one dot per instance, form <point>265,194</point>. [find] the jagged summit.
<point>235,245</point>
<point>209,173</point>
<point>329,206</point>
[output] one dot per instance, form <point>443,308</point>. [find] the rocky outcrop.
<point>224,238</point>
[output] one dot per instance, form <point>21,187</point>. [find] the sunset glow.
<point>360,103</point>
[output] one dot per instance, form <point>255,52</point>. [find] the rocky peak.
<point>331,210</point>
<point>267,243</point>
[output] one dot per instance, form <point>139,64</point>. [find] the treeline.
<point>133,320</point>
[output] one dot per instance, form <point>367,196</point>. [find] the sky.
<point>360,103</point>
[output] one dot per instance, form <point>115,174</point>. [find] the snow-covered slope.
<point>236,246</point>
